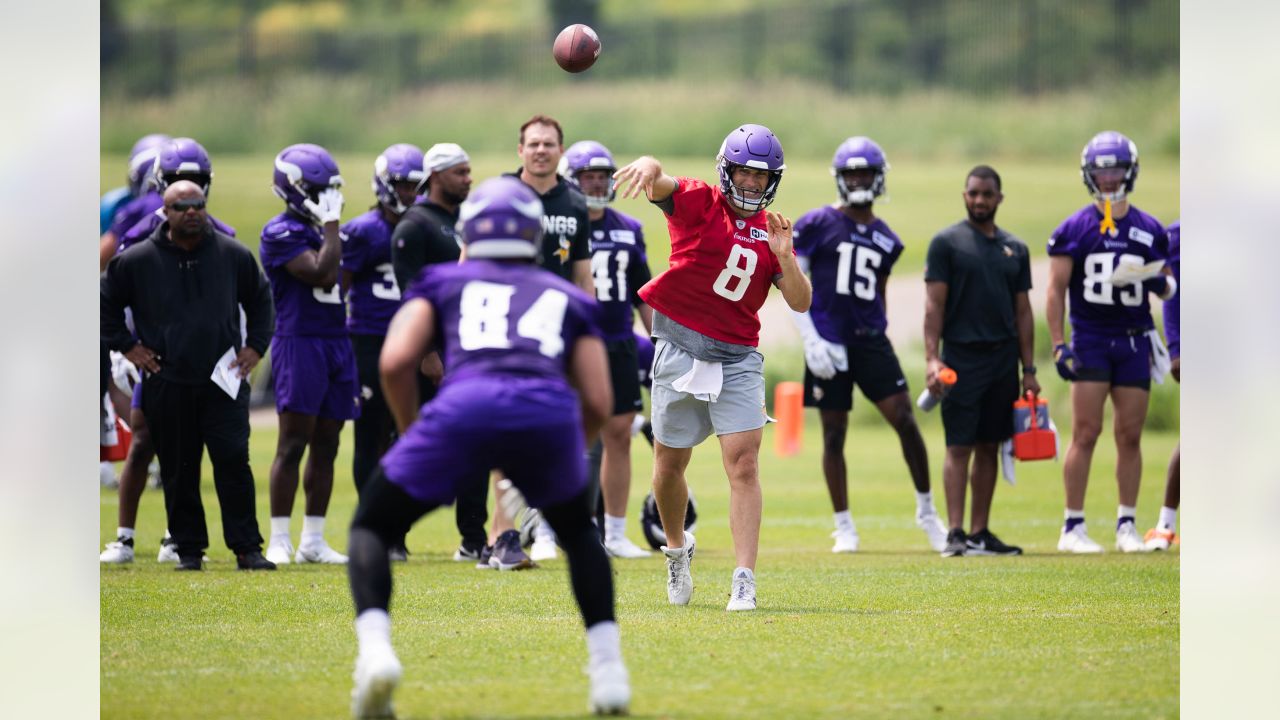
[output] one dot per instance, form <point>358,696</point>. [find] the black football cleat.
<point>192,562</point>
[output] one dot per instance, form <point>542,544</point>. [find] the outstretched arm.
<point>645,174</point>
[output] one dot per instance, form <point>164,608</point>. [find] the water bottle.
<point>927,400</point>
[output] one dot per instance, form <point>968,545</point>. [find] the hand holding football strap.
<point>1066,361</point>
<point>327,207</point>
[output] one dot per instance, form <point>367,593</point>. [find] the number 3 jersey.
<point>1098,307</point>
<point>374,295</point>
<point>496,319</point>
<point>619,267</point>
<point>300,308</point>
<point>721,266</point>
<point>847,262</point>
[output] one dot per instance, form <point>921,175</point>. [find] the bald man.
<point>185,284</point>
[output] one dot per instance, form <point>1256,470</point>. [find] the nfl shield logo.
<point>741,224</point>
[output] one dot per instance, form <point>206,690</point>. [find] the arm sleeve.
<point>891,258</point>
<point>1062,240</point>
<point>937,262</point>
<point>254,295</point>
<point>637,275</point>
<point>802,235</point>
<point>580,245</point>
<point>355,248</point>
<point>690,202</point>
<point>279,246</point>
<point>408,251</point>
<point>115,295</point>
<point>1024,269</point>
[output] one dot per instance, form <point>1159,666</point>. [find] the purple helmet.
<point>589,155</point>
<point>854,154</point>
<point>399,162</point>
<point>501,219</point>
<point>1109,149</point>
<point>182,159</point>
<point>302,171</point>
<point>752,146</point>
<point>141,158</point>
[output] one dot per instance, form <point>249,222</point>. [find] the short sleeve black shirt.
<point>983,276</point>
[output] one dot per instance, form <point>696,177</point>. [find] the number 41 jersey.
<point>721,266</point>
<point>496,319</point>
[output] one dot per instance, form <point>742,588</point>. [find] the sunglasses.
<point>185,205</point>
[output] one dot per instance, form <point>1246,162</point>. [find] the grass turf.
<point>894,631</point>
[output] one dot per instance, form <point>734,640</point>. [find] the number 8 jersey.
<point>1097,306</point>
<point>720,269</point>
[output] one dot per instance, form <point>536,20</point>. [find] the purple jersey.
<point>147,225</point>
<point>1098,307</point>
<point>1172,313</point>
<point>619,267</point>
<point>847,263</point>
<point>133,211</point>
<point>366,254</point>
<point>300,308</point>
<point>496,320</point>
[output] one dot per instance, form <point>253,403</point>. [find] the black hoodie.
<point>186,305</point>
<point>566,228</point>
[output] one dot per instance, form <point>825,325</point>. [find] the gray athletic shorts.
<point>682,421</point>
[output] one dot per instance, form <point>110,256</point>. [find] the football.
<point>576,48</point>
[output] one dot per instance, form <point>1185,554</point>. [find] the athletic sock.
<point>1074,518</point>
<point>124,532</point>
<point>280,525</point>
<point>615,528</point>
<point>1168,518</point>
<point>544,532</point>
<point>844,521</point>
<point>924,503</point>
<point>604,643</point>
<point>312,529</point>
<point>1125,514</point>
<point>373,627</point>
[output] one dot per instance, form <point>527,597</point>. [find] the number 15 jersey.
<point>720,269</point>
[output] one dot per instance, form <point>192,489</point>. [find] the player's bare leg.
<point>741,455</point>
<point>1172,493</point>
<point>615,485</point>
<point>317,481</point>
<point>291,444</point>
<point>896,410</point>
<point>1087,400</point>
<point>133,475</point>
<point>1130,405</point>
<point>670,490</point>
<point>835,426</point>
<point>955,481</point>
<point>506,551</point>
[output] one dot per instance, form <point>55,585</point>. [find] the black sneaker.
<point>398,553</point>
<point>253,560</point>
<point>483,562</point>
<point>956,545</point>
<point>985,542</point>
<point>191,562</point>
<point>466,553</point>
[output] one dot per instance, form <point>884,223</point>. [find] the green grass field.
<point>894,631</point>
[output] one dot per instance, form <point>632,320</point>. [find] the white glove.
<point>824,358</point>
<point>327,207</point>
<point>124,373</point>
<point>1131,271</point>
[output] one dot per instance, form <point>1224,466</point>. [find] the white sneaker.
<point>1077,541</point>
<point>932,526</point>
<point>543,549</point>
<point>318,552</point>
<point>376,676</point>
<point>1127,539</point>
<point>679,579</point>
<point>280,550</point>
<point>610,689</point>
<point>169,550</point>
<point>743,594</point>
<point>621,547</point>
<point>846,541</point>
<point>107,475</point>
<point>118,552</point>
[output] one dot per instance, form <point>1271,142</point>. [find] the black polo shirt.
<point>983,275</point>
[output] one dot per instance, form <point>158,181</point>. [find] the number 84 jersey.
<point>848,263</point>
<point>721,266</point>
<point>1097,306</point>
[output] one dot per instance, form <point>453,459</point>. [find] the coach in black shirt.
<point>977,277</point>
<point>185,285</point>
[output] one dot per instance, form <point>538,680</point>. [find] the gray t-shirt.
<point>700,346</point>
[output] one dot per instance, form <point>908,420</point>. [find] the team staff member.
<point>184,285</point>
<point>707,375</point>
<point>977,277</point>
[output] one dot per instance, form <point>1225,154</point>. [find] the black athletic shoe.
<point>985,542</point>
<point>955,544</point>
<point>189,563</point>
<point>253,560</point>
<point>398,553</point>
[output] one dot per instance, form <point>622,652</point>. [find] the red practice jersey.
<point>720,270</point>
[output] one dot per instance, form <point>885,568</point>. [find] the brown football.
<point>576,48</point>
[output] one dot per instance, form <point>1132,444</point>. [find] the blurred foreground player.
<point>517,341</point>
<point>1163,535</point>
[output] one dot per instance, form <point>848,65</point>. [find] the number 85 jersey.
<point>721,266</point>
<point>848,262</point>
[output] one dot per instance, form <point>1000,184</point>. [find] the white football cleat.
<point>107,475</point>
<point>610,689</point>
<point>1127,539</point>
<point>318,552</point>
<point>846,541</point>
<point>280,550</point>
<point>1077,541</point>
<point>118,552</point>
<point>543,549</point>
<point>679,579</point>
<point>932,526</point>
<point>376,676</point>
<point>742,596</point>
<point>624,549</point>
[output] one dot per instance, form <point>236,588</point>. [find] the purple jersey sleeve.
<point>1172,311</point>
<point>147,225</point>
<point>619,268</point>
<point>848,261</point>
<point>366,253</point>
<point>133,211</point>
<point>301,310</point>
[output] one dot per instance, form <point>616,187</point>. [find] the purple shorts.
<point>528,428</point>
<point>1123,360</point>
<point>315,376</point>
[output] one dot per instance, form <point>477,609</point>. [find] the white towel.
<point>1161,363</point>
<point>703,381</point>
<point>1006,462</point>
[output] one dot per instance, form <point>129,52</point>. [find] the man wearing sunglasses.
<point>184,284</point>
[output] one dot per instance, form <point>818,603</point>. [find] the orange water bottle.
<point>927,400</point>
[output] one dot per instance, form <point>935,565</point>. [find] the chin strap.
<point>1108,224</point>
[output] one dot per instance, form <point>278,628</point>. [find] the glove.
<point>1066,361</point>
<point>327,207</point>
<point>124,373</point>
<point>824,358</point>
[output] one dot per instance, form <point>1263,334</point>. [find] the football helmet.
<point>589,155</point>
<point>301,172</point>
<point>651,523</point>
<point>751,146</point>
<point>501,219</point>
<point>182,159</point>
<point>397,163</point>
<point>141,158</point>
<point>1109,151</point>
<point>858,153</point>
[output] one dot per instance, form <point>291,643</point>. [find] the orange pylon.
<point>788,406</point>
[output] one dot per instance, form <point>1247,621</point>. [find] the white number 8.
<point>734,271</point>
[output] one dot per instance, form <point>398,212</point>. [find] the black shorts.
<point>873,366</point>
<point>979,408</point>
<point>624,372</point>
